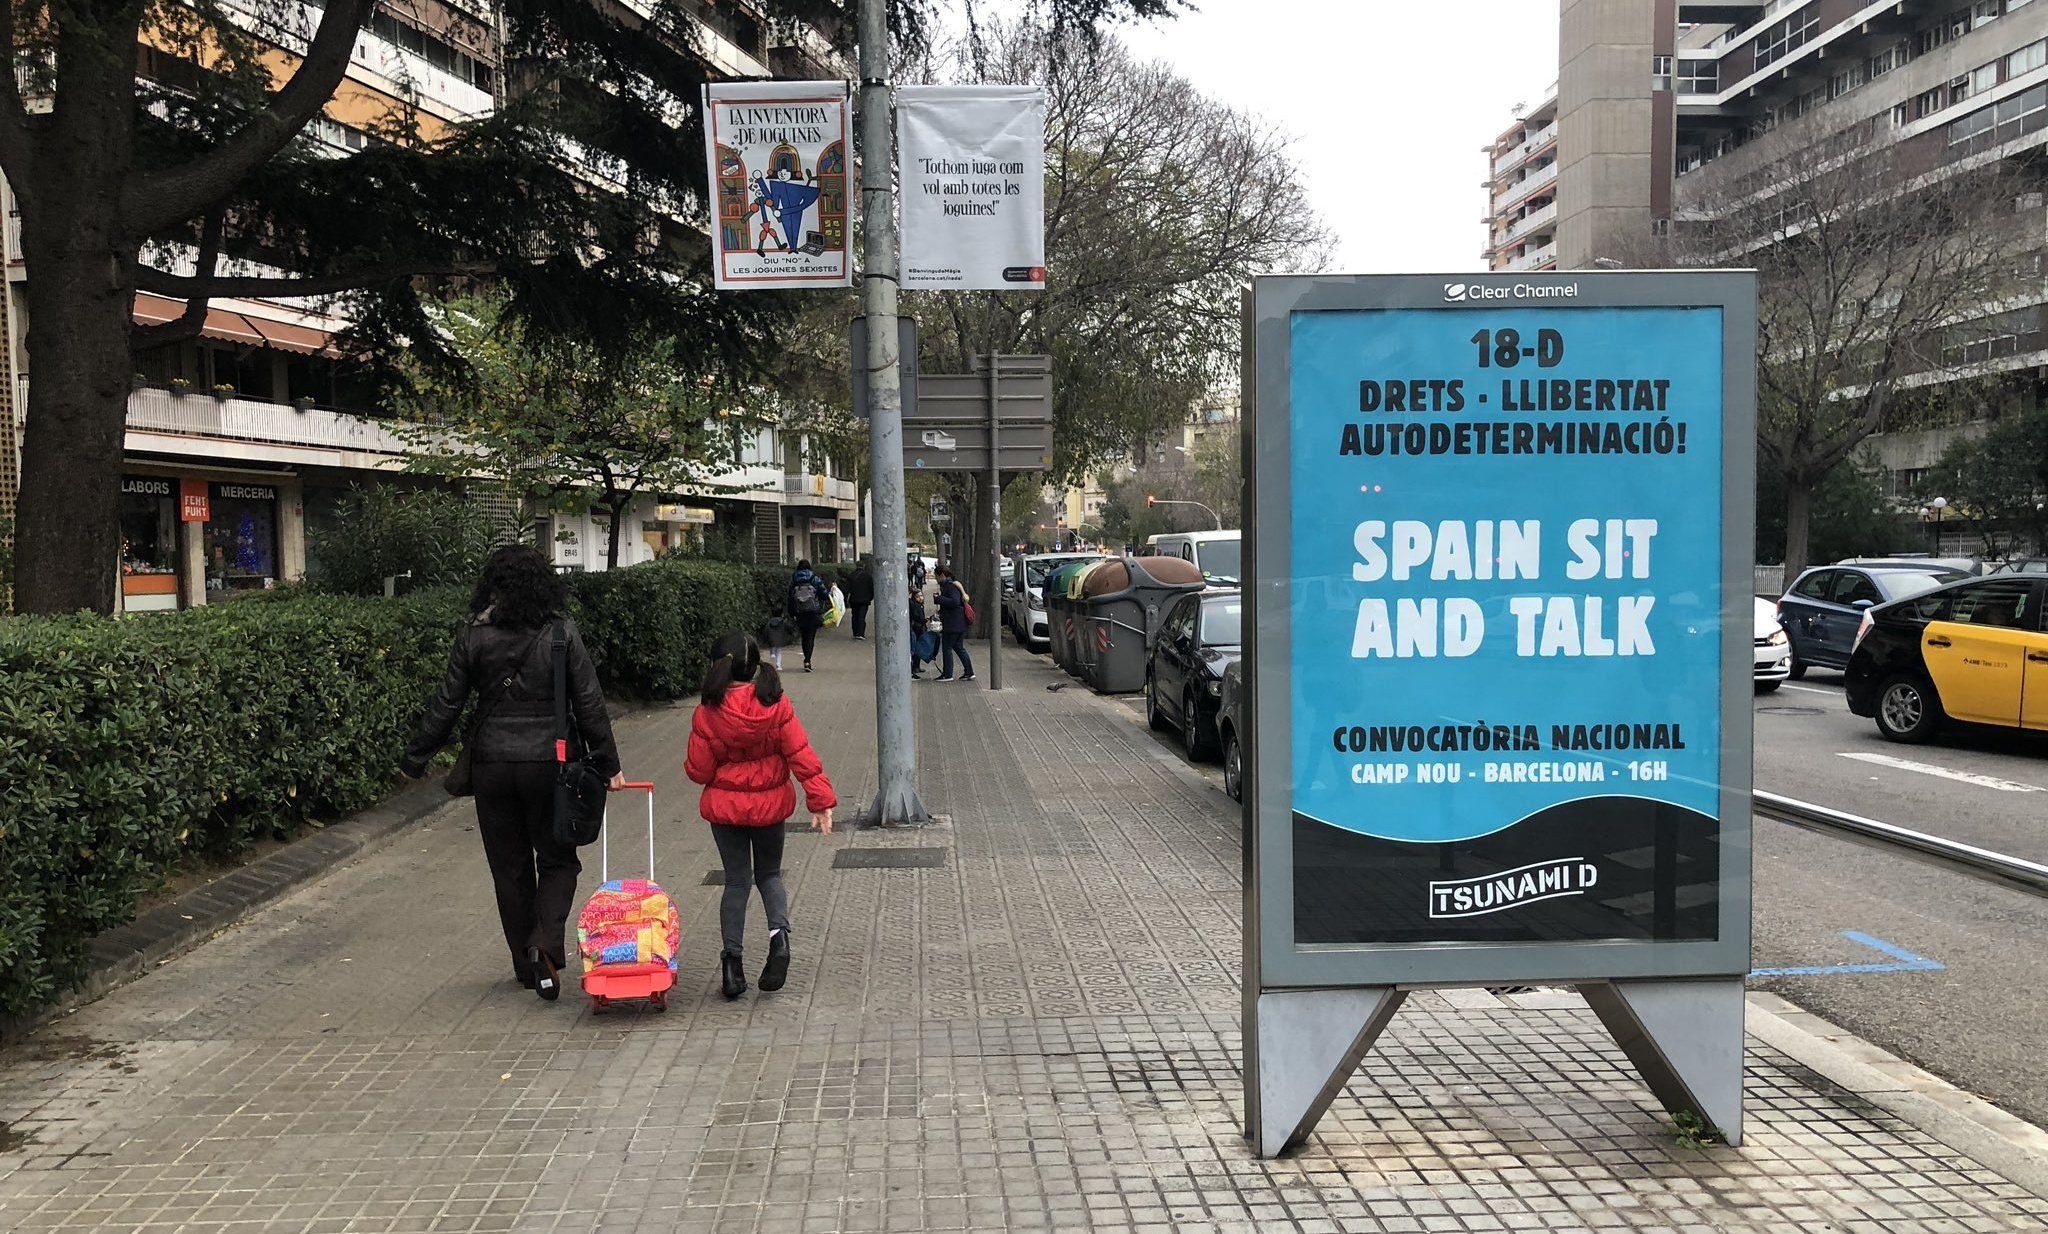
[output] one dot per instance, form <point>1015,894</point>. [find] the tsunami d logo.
<point>1491,893</point>
<point>1454,291</point>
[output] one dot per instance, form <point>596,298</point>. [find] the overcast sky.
<point>1389,102</point>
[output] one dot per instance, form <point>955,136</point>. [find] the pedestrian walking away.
<point>502,656</point>
<point>860,593</point>
<point>807,600</point>
<point>953,625</point>
<point>745,745</point>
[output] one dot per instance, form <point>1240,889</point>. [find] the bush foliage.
<point>130,747</point>
<point>425,537</point>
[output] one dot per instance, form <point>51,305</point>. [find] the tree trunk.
<point>611,551</point>
<point>1798,525</point>
<point>81,303</point>
<point>80,257</point>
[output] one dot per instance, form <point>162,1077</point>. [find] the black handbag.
<point>460,781</point>
<point>580,788</point>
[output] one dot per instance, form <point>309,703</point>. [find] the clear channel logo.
<point>1460,293</point>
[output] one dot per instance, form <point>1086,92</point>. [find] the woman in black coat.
<point>504,655</point>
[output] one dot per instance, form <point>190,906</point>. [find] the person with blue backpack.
<point>808,596</point>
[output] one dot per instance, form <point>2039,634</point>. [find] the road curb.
<point>1999,1140</point>
<point>171,929</point>
<point>1967,1123</point>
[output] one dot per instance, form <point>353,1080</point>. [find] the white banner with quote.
<point>780,158</point>
<point>972,162</point>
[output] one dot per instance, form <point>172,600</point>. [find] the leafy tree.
<point>1999,480</point>
<point>566,421</point>
<point>1865,266</point>
<point>385,531</point>
<point>1851,516</point>
<point>582,192</point>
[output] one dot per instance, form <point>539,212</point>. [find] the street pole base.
<point>899,810</point>
<point>1684,1038</point>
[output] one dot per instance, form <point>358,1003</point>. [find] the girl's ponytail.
<point>735,658</point>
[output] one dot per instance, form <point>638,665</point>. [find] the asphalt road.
<point>1966,991</point>
<point>1977,1021</point>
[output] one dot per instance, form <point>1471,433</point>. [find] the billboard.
<point>1501,537</point>
<point>781,181</point>
<point>973,172</point>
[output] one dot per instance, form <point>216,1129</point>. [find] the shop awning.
<point>232,327</point>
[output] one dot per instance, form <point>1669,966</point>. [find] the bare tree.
<point>1161,203</point>
<point>1874,264</point>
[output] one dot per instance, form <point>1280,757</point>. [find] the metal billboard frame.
<point>1312,1012</point>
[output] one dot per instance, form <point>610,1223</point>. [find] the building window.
<point>1660,72</point>
<point>1787,36</point>
<point>1699,77</point>
<point>1906,480</point>
<point>1927,102</point>
<point>241,537</point>
<point>2026,59</point>
<point>1890,58</point>
<point>1847,80</point>
<point>435,51</point>
<point>1986,11</point>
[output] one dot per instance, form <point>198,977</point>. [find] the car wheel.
<point>1153,716</point>
<point>1233,767</point>
<point>1798,669</point>
<point>1198,738</point>
<point>1767,687</point>
<point>1907,710</point>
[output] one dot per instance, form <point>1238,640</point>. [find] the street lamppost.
<point>1161,501</point>
<point>1938,505</point>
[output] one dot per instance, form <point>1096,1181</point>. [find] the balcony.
<point>1516,193</point>
<point>811,489</point>
<point>201,415</point>
<point>1541,255</point>
<point>1547,135</point>
<point>1533,221</point>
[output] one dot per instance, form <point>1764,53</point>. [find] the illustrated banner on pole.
<point>973,169</point>
<point>780,159</point>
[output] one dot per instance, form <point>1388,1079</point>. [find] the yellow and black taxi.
<point>1974,651</point>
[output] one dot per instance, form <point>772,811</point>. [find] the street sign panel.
<point>962,398</point>
<point>906,342</point>
<point>1500,532</point>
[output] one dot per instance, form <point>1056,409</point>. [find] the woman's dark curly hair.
<point>520,588</point>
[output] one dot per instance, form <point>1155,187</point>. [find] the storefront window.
<point>149,544</point>
<point>241,538</point>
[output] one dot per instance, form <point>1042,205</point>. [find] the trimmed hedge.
<point>129,748</point>
<point>650,626</point>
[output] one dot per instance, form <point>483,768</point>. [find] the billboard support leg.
<point>1685,1038</point>
<point>1308,1044</point>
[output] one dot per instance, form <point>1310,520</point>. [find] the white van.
<point>1215,553</point>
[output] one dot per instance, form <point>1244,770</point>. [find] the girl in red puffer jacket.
<point>745,744</point>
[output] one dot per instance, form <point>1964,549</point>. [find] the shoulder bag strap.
<point>561,658</point>
<point>485,706</point>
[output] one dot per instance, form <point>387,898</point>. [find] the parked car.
<point>1024,594</point>
<point>1823,607</point>
<point>1230,713</point>
<point>1773,648</point>
<point>1199,637</point>
<point>1975,651</point>
<point>1216,553</point>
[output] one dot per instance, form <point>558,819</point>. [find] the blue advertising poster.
<point>1505,599</point>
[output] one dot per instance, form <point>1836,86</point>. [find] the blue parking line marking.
<point>1905,961</point>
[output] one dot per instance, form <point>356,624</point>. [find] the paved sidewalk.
<point>1037,1033</point>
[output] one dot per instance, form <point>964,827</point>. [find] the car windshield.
<point>1219,559</point>
<point>1898,584</point>
<point>1223,622</point>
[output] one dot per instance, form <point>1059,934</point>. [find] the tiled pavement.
<point>1040,1034</point>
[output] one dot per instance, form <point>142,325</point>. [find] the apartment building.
<point>1662,105</point>
<point>1521,185</point>
<point>241,439</point>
